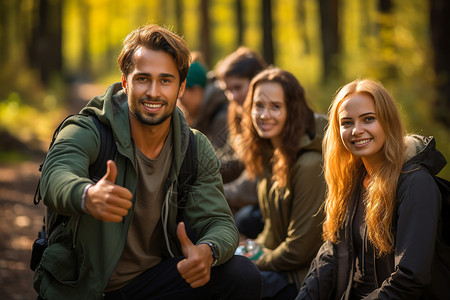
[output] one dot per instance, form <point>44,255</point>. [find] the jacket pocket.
<point>61,265</point>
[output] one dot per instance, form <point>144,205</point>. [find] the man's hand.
<point>196,267</point>
<point>107,201</point>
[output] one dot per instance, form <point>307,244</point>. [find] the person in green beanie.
<point>205,105</point>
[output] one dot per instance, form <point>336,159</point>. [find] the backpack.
<point>444,189</point>
<point>443,233</point>
<point>108,150</point>
<point>441,265</point>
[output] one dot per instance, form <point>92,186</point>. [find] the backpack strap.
<point>187,175</point>
<point>37,195</point>
<point>108,149</point>
<point>97,169</point>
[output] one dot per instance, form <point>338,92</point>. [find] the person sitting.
<point>282,138</point>
<point>205,105</point>
<point>382,207</point>
<point>122,239</point>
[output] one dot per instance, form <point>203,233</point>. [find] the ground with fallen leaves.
<point>20,220</point>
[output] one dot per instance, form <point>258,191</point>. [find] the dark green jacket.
<point>293,215</point>
<point>84,251</point>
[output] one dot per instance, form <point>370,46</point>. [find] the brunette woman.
<point>282,138</point>
<point>382,206</point>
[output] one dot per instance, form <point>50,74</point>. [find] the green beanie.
<point>196,75</point>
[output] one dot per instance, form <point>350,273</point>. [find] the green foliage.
<point>392,47</point>
<point>28,124</point>
<point>11,157</point>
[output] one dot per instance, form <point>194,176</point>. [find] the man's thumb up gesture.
<point>107,201</point>
<point>196,266</point>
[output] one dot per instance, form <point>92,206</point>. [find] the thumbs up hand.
<point>196,267</point>
<point>107,201</point>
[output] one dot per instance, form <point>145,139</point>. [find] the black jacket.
<point>414,270</point>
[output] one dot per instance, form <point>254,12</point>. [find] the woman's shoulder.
<point>308,158</point>
<point>308,166</point>
<point>415,180</point>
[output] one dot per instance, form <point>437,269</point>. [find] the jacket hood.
<point>421,150</point>
<point>315,144</point>
<point>111,108</point>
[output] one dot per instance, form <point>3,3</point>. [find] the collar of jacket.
<point>112,109</point>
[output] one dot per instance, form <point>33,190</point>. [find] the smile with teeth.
<point>265,126</point>
<point>362,142</point>
<point>149,105</point>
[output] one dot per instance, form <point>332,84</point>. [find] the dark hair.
<point>299,122</point>
<point>155,37</point>
<point>241,63</point>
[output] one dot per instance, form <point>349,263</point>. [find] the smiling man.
<point>121,240</point>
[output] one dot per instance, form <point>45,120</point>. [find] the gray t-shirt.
<point>143,248</point>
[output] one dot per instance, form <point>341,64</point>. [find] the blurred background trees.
<point>56,53</point>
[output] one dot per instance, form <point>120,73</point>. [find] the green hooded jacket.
<point>293,215</point>
<point>83,252</point>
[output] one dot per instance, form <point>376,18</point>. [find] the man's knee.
<point>242,275</point>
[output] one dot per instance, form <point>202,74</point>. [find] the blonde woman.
<point>382,206</point>
<point>282,138</point>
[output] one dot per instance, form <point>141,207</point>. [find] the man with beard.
<point>122,240</point>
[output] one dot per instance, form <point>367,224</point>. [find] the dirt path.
<point>20,221</point>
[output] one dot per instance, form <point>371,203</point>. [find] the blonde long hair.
<point>342,168</point>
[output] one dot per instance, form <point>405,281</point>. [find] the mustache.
<point>154,99</point>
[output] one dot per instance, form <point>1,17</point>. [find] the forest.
<point>56,53</point>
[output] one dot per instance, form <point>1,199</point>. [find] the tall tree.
<point>329,18</point>
<point>268,52</point>
<point>179,16</point>
<point>5,11</point>
<point>440,32</point>
<point>240,22</point>
<point>205,42</point>
<point>385,6</point>
<point>85,64</point>
<point>45,50</point>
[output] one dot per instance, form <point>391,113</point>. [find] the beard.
<point>152,119</point>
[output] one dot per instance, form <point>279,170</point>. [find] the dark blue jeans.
<point>249,221</point>
<point>276,286</point>
<point>238,278</point>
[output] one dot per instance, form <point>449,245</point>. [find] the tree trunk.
<point>330,39</point>
<point>385,6</point>
<point>268,52</point>
<point>179,16</point>
<point>440,32</point>
<point>46,46</point>
<point>205,44</point>
<point>240,23</point>
<point>85,65</point>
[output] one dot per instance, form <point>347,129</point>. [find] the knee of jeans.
<point>246,272</point>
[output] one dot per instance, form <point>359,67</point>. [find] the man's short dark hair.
<point>154,37</point>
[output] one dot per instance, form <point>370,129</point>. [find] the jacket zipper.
<point>375,275</point>
<point>364,248</point>
<point>351,254</point>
